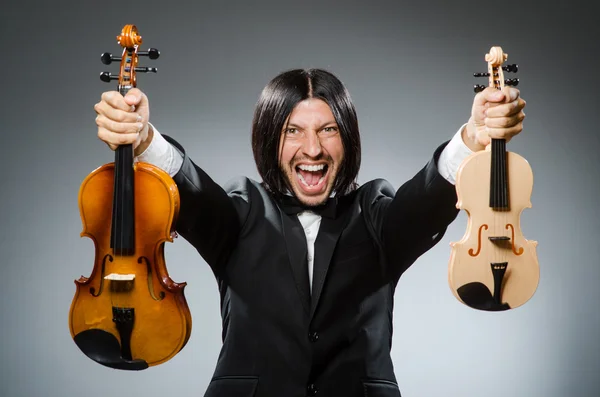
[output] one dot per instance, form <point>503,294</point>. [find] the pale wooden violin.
<point>129,314</point>
<point>493,267</point>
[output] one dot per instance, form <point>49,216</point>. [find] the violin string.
<point>498,203</point>
<point>120,202</point>
<point>505,194</point>
<point>503,170</point>
<point>124,178</point>
<point>495,176</point>
<point>500,196</point>
<point>501,181</point>
<point>119,220</point>
<point>501,154</point>
<point>497,198</point>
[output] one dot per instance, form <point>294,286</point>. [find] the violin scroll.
<point>129,37</point>
<point>495,58</point>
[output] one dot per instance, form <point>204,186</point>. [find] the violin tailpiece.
<point>123,318</point>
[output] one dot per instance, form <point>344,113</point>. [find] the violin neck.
<point>122,232</point>
<point>499,176</point>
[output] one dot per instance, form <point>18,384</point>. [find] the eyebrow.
<point>321,126</point>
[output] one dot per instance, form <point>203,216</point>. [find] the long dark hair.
<point>275,104</point>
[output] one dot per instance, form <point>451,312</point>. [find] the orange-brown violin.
<point>129,314</point>
<point>493,267</point>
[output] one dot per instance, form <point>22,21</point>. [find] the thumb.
<point>135,97</point>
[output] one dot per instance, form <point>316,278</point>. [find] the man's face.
<point>311,151</point>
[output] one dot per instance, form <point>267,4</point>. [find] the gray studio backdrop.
<point>409,69</point>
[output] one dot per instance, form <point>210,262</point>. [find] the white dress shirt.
<point>161,154</point>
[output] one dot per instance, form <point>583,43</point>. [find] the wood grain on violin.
<point>129,314</point>
<point>493,267</point>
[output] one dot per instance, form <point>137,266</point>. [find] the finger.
<point>118,127</point>
<point>505,122</point>
<point>114,139</point>
<point>489,94</point>
<point>506,109</point>
<point>511,94</point>
<point>104,109</point>
<point>116,100</point>
<point>504,133</point>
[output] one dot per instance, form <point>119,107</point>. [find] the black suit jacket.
<point>278,340</point>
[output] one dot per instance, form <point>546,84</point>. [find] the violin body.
<point>493,267</point>
<point>129,314</point>
<point>493,274</point>
<point>161,325</point>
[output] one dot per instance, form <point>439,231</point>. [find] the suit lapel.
<point>295,240</point>
<point>329,233</point>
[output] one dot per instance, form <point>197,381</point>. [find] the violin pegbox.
<point>495,58</point>
<point>130,40</point>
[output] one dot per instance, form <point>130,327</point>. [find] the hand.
<point>495,114</point>
<point>124,120</point>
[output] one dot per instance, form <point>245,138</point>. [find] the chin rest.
<point>104,348</point>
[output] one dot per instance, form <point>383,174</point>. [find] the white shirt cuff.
<point>452,156</point>
<point>161,154</point>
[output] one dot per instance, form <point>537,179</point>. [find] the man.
<point>306,261</point>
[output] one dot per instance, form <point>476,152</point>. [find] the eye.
<point>291,131</point>
<point>330,129</point>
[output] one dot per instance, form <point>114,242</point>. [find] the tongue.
<point>311,178</point>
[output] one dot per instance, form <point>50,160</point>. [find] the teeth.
<point>304,167</point>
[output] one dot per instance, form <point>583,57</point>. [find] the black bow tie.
<point>292,206</point>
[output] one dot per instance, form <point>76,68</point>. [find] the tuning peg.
<point>478,87</point>
<point>107,58</point>
<point>145,69</point>
<point>512,82</point>
<point>481,74</point>
<point>107,77</point>
<point>514,68</point>
<point>152,53</point>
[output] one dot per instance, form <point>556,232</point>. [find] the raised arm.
<point>414,218</point>
<point>208,217</point>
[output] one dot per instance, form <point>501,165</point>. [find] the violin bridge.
<point>120,282</point>
<point>501,241</point>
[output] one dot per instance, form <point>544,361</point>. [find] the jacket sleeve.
<point>413,219</point>
<point>208,218</point>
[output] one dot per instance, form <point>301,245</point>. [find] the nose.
<point>312,145</point>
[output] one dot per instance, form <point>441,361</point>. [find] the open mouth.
<point>312,177</point>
